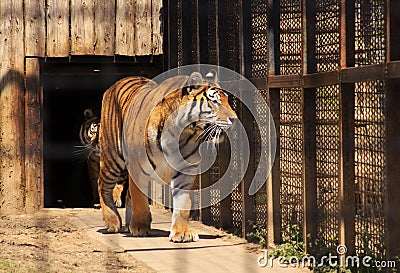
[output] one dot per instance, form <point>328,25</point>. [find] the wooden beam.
<point>33,137</point>
<point>320,79</point>
<point>35,28</point>
<point>57,28</point>
<point>12,151</point>
<point>363,73</point>
<point>393,70</point>
<point>284,81</point>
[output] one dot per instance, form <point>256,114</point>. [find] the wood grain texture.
<point>11,107</point>
<point>125,28</point>
<point>33,137</point>
<point>35,28</point>
<point>156,27</point>
<point>82,27</point>
<point>57,28</point>
<point>143,28</point>
<point>104,27</point>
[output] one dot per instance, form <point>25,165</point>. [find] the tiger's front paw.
<point>140,226</point>
<point>185,236</point>
<point>139,229</point>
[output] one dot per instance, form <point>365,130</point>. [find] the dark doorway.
<point>69,89</point>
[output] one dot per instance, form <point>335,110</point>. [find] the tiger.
<point>206,114</point>
<point>89,138</point>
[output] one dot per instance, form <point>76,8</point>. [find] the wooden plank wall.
<point>30,29</point>
<point>56,28</point>
<point>11,107</point>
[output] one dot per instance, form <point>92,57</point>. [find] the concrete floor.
<point>214,252</point>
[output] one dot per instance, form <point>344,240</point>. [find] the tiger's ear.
<point>195,79</point>
<point>88,114</point>
<point>212,76</point>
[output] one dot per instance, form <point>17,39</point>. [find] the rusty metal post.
<point>274,183</point>
<point>392,150</point>
<point>308,105</point>
<point>346,192</point>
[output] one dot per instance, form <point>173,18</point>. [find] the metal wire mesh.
<point>195,52</point>
<point>212,32</point>
<point>179,32</point>
<point>327,143</point>
<point>237,196</point>
<point>369,32</point>
<point>290,37</point>
<point>370,130</point>
<point>327,35</point>
<point>229,34</point>
<point>259,39</point>
<point>291,143</point>
<point>262,133</point>
<point>370,168</point>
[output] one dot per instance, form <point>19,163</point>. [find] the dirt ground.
<point>48,242</point>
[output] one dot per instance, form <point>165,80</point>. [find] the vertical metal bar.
<point>273,187</point>
<point>195,32</point>
<point>205,179</point>
<point>346,189</point>
<point>186,32</point>
<point>392,152</point>
<point>203,30</point>
<point>222,32</point>
<point>274,220</point>
<point>226,218</point>
<point>165,30</point>
<point>308,105</point>
<point>249,214</point>
<point>172,34</point>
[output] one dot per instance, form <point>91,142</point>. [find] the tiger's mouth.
<point>213,132</point>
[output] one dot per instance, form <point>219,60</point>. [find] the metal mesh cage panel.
<point>327,144</point>
<point>290,37</point>
<point>195,54</point>
<point>369,32</point>
<point>237,196</point>
<point>327,35</point>
<point>212,30</point>
<point>229,34</point>
<point>262,134</point>
<point>291,143</point>
<point>259,39</point>
<point>179,32</point>
<point>369,168</point>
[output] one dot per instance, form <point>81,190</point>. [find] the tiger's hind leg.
<point>111,217</point>
<point>140,221</point>
<point>128,212</point>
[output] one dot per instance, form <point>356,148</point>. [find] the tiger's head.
<point>207,107</point>
<point>89,133</point>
